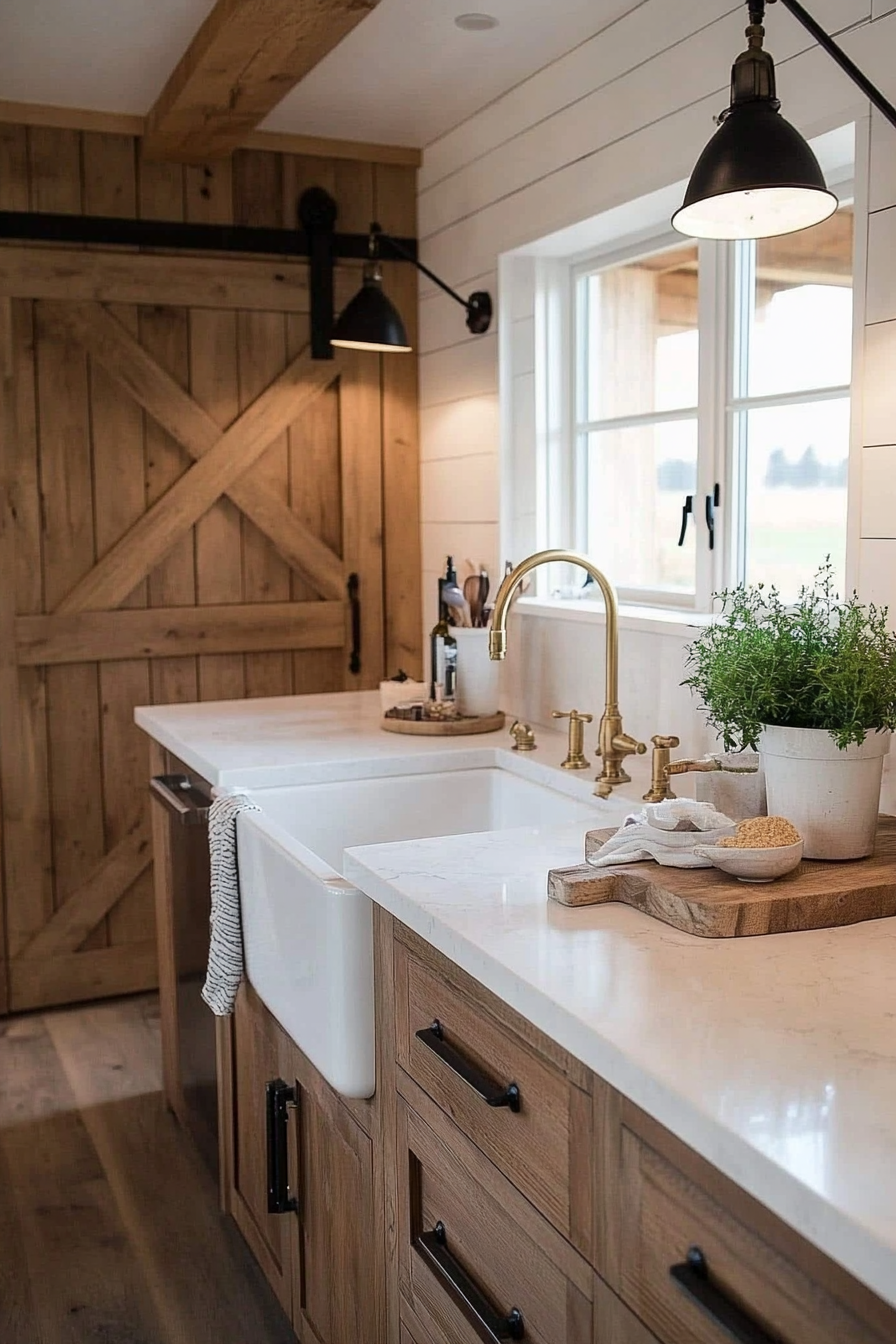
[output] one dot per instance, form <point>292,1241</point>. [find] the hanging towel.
<point>225,953</point>
<point>667,832</point>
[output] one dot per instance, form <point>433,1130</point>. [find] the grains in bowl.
<point>762,833</point>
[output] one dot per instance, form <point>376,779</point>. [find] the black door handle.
<point>686,508</point>
<point>278,1096</point>
<point>491,1093</point>
<point>712,503</point>
<point>693,1278</point>
<point>353,587</point>
<point>488,1323</point>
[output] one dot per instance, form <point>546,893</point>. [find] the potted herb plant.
<point>813,686</point>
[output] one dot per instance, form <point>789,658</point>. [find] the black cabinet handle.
<point>488,1323</point>
<point>693,1278</point>
<point>686,509</point>
<point>353,585</point>
<point>491,1093</point>
<point>712,503</point>
<point>278,1096</point>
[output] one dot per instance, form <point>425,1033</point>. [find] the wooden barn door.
<point>185,492</point>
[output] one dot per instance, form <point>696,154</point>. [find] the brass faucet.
<point>613,744</point>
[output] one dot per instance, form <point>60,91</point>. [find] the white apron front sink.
<point>307,931</point>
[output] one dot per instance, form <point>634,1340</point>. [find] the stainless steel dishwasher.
<point>193,1092</point>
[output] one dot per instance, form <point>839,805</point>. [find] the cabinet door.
<point>335,1291</point>
<point>260,1053</point>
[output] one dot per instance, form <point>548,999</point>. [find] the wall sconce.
<point>757,177</point>
<point>370,321</point>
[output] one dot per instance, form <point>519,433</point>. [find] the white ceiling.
<point>404,76</point>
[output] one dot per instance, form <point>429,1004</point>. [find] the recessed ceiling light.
<point>476,23</point>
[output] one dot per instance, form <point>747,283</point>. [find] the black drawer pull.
<point>488,1323</point>
<point>491,1093</point>
<point>693,1278</point>
<point>278,1096</point>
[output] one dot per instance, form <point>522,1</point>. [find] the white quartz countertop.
<point>774,1057</point>
<point>313,739</point>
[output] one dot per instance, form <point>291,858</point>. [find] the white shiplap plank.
<point>459,428</point>
<point>878,403</point>
<point>460,490</point>
<point>880,300</point>
<point>466,370</point>
<point>877,574</point>
<point>882,183</point>
<point>879,492</point>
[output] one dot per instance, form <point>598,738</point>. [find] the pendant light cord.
<point>871,92</point>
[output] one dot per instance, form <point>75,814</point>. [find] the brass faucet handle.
<point>659,782</point>
<point>575,752</point>
<point>626,745</point>
<point>523,736</point>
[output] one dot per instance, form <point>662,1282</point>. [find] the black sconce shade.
<point>370,321</point>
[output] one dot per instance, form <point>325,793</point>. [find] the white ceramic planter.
<point>831,796</point>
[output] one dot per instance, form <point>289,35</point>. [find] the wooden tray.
<point>485,723</point>
<point>711,904</point>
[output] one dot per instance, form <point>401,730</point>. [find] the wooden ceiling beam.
<point>244,59</point>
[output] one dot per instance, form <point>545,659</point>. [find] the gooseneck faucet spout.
<point>613,743</point>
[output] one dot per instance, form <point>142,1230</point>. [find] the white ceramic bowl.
<point>753,865</point>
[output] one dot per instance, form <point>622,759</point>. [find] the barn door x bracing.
<point>184,494</point>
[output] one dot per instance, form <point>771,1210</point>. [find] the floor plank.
<point>109,1227</point>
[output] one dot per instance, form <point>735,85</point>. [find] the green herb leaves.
<point>822,663</point>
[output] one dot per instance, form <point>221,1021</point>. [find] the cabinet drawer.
<point>519,1107</point>
<point>739,1287</point>
<point>613,1322</point>
<point>475,1258</point>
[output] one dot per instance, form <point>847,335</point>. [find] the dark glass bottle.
<point>443,647</point>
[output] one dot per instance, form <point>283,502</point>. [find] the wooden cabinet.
<point>320,1255</point>
<point>335,1231</point>
<point>429,1215</point>
<point>261,1053</point>
<point>702,1263</point>
<point>474,1255</point>
<point>513,1099</point>
<point>672,1253</point>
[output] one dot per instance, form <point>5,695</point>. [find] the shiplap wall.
<point>622,115</point>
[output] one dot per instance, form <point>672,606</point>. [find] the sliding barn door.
<point>185,495</point>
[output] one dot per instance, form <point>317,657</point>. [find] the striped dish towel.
<point>225,953</point>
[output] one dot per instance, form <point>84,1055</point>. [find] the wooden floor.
<point>109,1226</point>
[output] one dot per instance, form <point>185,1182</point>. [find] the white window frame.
<point>720,271</point>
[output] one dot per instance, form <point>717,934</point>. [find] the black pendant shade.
<point>370,321</point>
<point>757,177</point>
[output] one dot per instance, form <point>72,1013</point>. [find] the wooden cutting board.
<point>711,904</point>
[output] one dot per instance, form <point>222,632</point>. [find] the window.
<point>712,402</point>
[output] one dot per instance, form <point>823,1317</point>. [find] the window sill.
<point>632,616</point>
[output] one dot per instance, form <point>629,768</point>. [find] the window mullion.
<point>709,421</point>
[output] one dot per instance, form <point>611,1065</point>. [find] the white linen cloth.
<point>667,832</point>
<point>225,953</point>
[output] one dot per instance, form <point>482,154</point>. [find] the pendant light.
<point>370,321</point>
<point>758,177</point>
